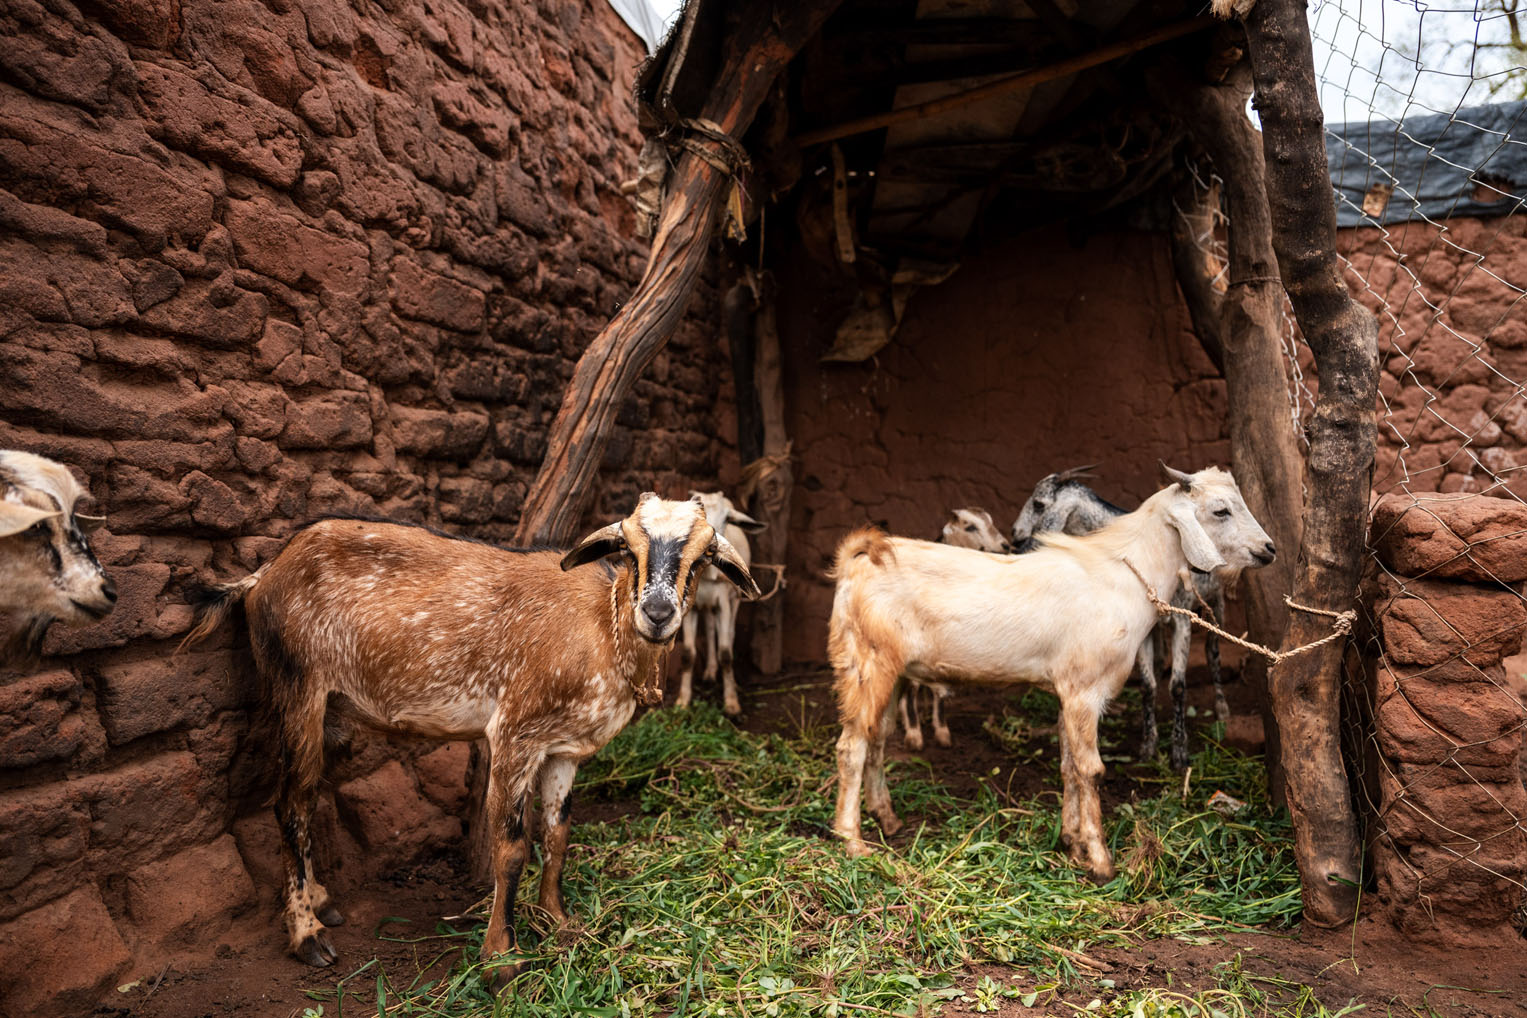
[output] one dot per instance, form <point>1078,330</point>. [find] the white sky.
<point>1390,58</point>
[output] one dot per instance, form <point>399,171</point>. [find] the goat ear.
<point>15,517</point>
<point>725,558</point>
<point>1196,546</point>
<point>741,520</point>
<point>601,543</point>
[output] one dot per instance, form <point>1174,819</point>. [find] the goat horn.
<point>1186,480</point>
<point>1075,472</point>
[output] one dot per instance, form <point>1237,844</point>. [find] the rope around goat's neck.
<point>646,695</point>
<point>1340,627</point>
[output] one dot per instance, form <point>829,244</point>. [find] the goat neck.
<point>1150,543</point>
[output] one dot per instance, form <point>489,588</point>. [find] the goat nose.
<point>1271,551</point>
<point>109,590</point>
<point>658,612</point>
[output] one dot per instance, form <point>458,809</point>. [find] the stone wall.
<point>1443,763</point>
<point>259,263</point>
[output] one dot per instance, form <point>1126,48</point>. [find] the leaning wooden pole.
<point>1342,434</point>
<point>759,43</point>
<point>1264,447</point>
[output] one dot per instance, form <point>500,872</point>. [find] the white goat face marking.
<point>667,540</point>
<point>48,569</point>
<point>973,528</point>
<point>1222,513</point>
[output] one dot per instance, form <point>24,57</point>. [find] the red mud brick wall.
<point>1036,355</point>
<point>259,263</point>
<point>1453,349</point>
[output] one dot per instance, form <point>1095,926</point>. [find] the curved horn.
<point>731,565</point>
<point>1186,480</point>
<point>604,541</point>
<point>1074,473</point>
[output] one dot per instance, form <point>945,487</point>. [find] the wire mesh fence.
<point>1427,144</point>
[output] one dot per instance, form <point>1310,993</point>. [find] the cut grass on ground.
<point>724,894</point>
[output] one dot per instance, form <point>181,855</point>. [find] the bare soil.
<point>247,973</point>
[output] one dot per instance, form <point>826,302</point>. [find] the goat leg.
<point>308,909</point>
<point>911,727</point>
<point>1182,633</point>
<point>877,795</point>
<point>508,791</point>
<point>556,806</point>
<point>1145,663</point>
<point>1211,653</point>
<point>725,625</point>
<point>686,660</point>
<point>1079,720</point>
<point>940,730</point>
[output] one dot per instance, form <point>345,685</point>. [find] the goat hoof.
<point>331,916</point>
<point>317,950</point>
<point>1179,759</point>
<point>914,741</point>
<point>890,823</point>
<point>732,708</point>
<point>942,738</point>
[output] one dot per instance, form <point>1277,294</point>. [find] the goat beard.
<point>22,644</point>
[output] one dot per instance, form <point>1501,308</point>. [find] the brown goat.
<point>448,638</point>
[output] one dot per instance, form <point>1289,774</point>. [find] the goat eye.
<point>1222,513</point>
<point>1040,506</point>
<point>970,527</point>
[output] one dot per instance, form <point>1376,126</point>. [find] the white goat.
<point>967,528</point>
<point>48,573</point>
<point>716,603</point>
<point>448,638</point>
<point>1062,503</point>
<point>1069,617</point>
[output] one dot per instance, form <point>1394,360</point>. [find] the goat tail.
<point>214,604</point>
<point>864,645</point>
<point>869,543</point>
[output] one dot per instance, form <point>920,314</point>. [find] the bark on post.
<point>757,46</point>
<point>1342,435</point>
<point>1264,448</point>
<point>767,482</point>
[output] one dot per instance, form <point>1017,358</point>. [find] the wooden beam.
<point>1024,79</point>
<point>759,42</point>
<point>1306,690</point>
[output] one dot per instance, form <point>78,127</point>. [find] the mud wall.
<point>259,263</point>
<point>1453,350</point>
<point>1039,353</point>
<point>1443,725</point>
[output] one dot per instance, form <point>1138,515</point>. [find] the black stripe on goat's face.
<point>668,540</point>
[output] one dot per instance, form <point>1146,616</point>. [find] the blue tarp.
<point>1439,165</point>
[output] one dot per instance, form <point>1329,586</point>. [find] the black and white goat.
<point>1062,504</point>
<point>48,573</point>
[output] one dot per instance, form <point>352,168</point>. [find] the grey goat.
<point>1062,503</point>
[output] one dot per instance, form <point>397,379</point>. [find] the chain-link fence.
<point>1427,144</point>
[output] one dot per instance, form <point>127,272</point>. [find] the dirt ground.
<point>248,973</point>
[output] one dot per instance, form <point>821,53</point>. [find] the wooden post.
<point>1344,338</point>
<point>1246,323</point>
<point>759,41</point>
<point>768,482</point>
